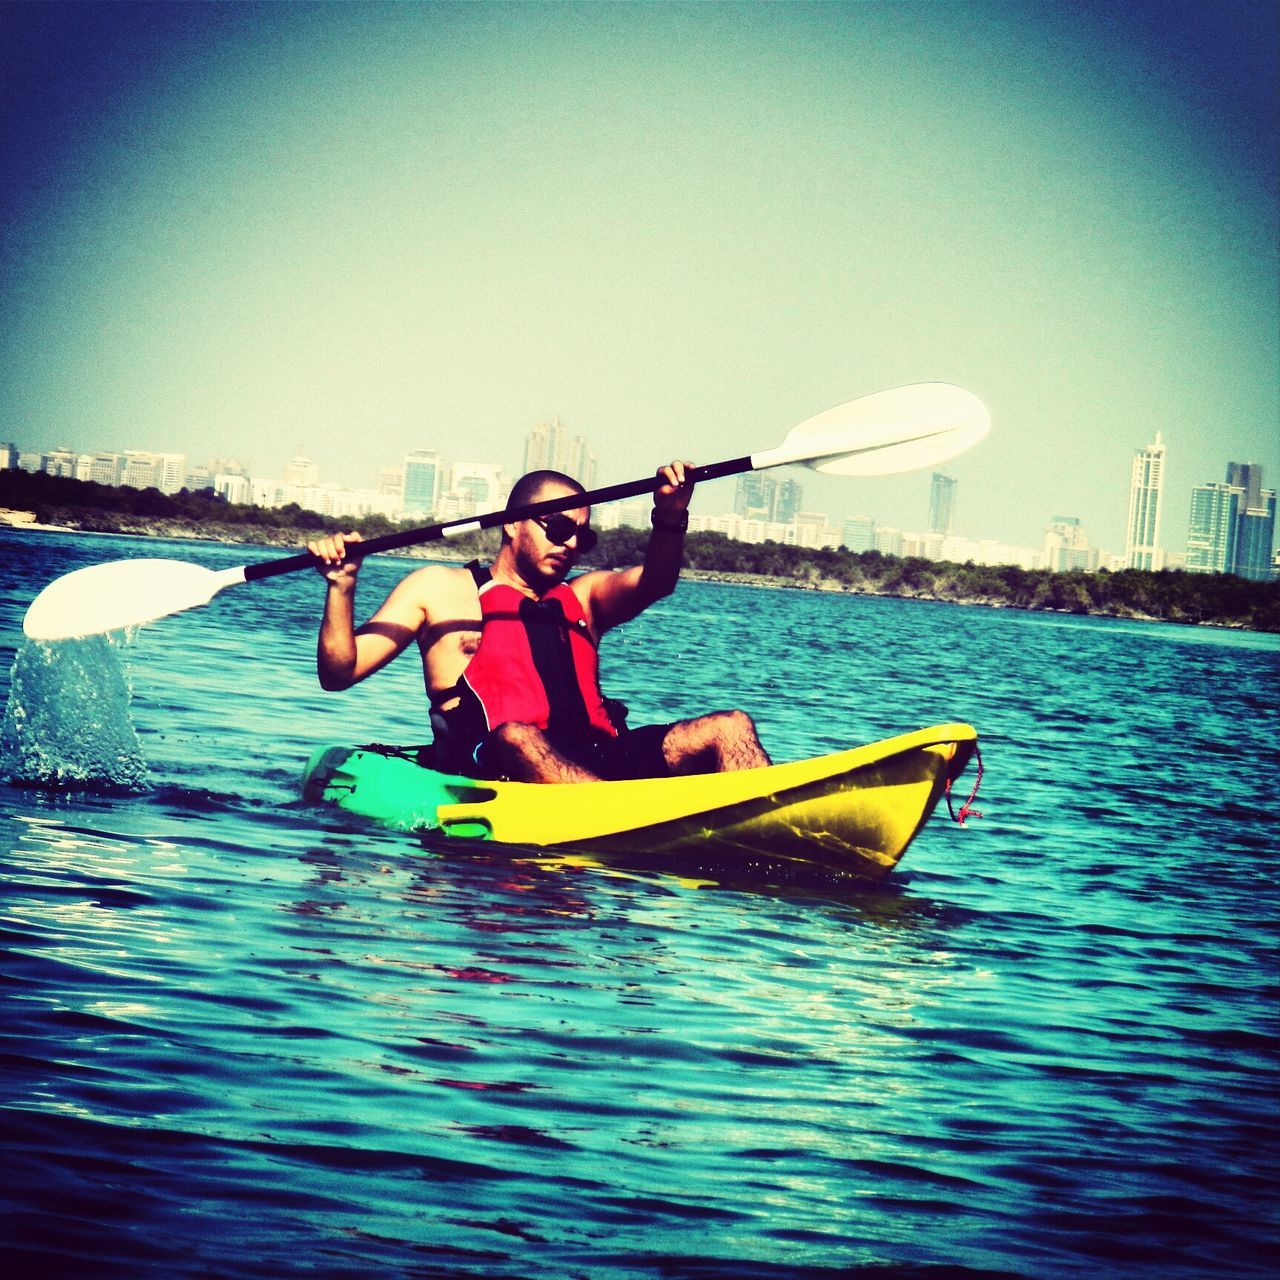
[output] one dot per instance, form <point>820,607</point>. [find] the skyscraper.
<point>1255,533</point>
<point>549,447</point>
<point>1146,487</point>
<point>761,496</point>
<point>1232,527</point>
<point>752,497</point>
<point>1211,533</point>
<point>1256,522</point>
<point>580,462</point>
<point>788,495</point>
<point>543,447</point>
<point>942,504</point>
<point>421,482</point>
<point>1248,476</point>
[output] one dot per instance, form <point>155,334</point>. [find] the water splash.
<point>66,724</point>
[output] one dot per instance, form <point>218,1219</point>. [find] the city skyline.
<point>1230,526</point>
<point>357,230</point>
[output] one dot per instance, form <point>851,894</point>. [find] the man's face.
<point>547,547</point>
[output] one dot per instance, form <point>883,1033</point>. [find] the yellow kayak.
<point>854,812</point>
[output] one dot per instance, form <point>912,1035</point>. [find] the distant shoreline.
<point>291,539</point>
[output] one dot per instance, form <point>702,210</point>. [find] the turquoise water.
<point>242,1037</point>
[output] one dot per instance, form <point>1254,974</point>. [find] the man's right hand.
<point>335,565</point>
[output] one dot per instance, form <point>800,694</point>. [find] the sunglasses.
<point>561,529</point>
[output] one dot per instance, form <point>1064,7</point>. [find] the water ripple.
<point>245,1037</point>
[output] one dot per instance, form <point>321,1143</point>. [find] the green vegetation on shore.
<point>1169,595</point>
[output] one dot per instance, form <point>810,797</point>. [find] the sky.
<point>354,229</point>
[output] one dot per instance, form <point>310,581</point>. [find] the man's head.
<point>546,547</point>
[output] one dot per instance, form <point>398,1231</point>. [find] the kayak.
<point>853,813</point>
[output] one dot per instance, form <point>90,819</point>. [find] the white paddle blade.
<point>122,593</point>
<point>903,429</point>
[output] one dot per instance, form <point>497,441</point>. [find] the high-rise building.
<point>422,482</point>
<point>788,495</point>
<point>1232,528</point>
<point>890,542</point>
<point>1247,476</point>
<point>141,470</point>
<point>302,472</point>
<point>859,533</point>
<point>101,468</point>
<point>549,447</point>
<point>232,487</point>
<point>1146,488</point>
<point>761,496</point>
<point>580,462</point>
<point>60,462</point>
<point>1211,533</point>
<point>171,472</point>
<point>1066,546</point>
<point>543,447</point>
<point>752,496</point>
<point>477,486</point>
<point>942,503</point>
<point>811,529</point>
<point>1255,534</point>
<point>1256,522</point>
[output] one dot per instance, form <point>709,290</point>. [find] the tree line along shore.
<point>1170,595</point>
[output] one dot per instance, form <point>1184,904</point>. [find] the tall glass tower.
<point>760,496</point>
<point>549,447</point>
<point>1211,534</point>
<point>942,504</point>
<point>1146,487</point>
<point>1256,523</point>
<point>1255,533</point>
<point>421,482</point>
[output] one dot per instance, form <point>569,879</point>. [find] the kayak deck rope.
<point>966,810</point>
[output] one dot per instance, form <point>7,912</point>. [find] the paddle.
<point>891,431</point>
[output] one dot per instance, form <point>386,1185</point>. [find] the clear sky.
<point>351,230</point>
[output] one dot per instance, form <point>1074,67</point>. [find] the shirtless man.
<point>507,721</point>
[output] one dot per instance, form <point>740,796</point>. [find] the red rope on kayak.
<point>967,809</point>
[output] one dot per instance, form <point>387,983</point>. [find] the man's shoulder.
<point>583,584</point>
<point>441,573</point>
<point>604,585</point>
<point>594,578</point>
<point>436,580</point>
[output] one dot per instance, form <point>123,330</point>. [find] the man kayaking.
<point>509,653</point>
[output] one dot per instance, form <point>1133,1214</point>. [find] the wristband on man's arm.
<point>670,526</point>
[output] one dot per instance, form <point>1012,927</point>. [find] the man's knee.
<point>716,741</point>
<point>727,726</point>
<point>512,740</point>
<point>516,733</point>
<point>523,753</point>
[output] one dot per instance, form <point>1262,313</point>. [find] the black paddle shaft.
<point>433,532</point>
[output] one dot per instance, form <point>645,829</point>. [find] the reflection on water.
<point>241,1036</point>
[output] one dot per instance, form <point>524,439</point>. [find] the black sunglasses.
<point>560,528</point>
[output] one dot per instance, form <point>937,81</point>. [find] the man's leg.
<point>523,753</point>
<point>722,742</point>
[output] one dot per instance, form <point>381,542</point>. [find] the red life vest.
<point>536,663</point>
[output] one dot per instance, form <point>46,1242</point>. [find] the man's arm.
<point>345,655</point>
<point>616,597</point>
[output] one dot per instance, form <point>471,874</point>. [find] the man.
<point>509,656</point>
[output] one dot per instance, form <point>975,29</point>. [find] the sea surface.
<point>245,1037</point>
